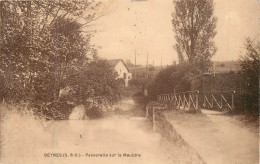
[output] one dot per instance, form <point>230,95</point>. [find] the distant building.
<point>120,67</point>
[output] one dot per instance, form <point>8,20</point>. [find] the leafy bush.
<point>138,83</point>
<point>151,68</point>
<point>221,65</point>
<point>94,113</point>
<point>96,82</point>
<point>170,79</point>
<point>139,80</point>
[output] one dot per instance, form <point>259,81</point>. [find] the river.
<point>113,140</point>
<point>124,138</point>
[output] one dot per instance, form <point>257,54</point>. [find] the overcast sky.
<point>145,26</point>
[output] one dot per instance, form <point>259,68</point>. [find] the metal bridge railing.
<point>181,100</point>
<point>218,100</point>
<point>196,100</point>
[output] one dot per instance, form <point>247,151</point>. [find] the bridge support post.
<point>232,105</point>
<point>154,119</point>
<point>197,100</point>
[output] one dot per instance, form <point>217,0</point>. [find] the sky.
<point>145,27</point>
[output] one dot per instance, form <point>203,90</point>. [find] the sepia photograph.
<point>129,81</point>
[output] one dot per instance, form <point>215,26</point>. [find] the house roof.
<point>114,62</point>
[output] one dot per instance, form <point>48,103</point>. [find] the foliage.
<point>140,80</point>
<point>39,40</point>
<point>250,72</point>
<point>95,82</point>
<point>195,27</point>
<point>172,78</point>
<point>151,68</point>
<point>45,49</point>
<point>94,113</point>
<point>129,63</point>
<point>222,65</point>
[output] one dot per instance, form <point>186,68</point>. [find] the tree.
<point>69,45</point>
<point>249,64</point>
<point>95,81</point>
<point>151,68</point>
<point>45,47</point>
<point>172,78</point>
<point>129,63</point>
<point>39,40</point>
<point>195,27</point>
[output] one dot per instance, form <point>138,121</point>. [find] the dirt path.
<point>217,138</point>
<point>237,143</point>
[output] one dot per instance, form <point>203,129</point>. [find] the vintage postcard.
<point>129,81</point>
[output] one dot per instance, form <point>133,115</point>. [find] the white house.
<point>120,67</point>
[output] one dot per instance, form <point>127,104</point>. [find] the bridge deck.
<point>216,137</point>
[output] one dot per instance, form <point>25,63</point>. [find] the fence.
<point>218,100</point>
<point>182,100</point>
<point>195,100</point>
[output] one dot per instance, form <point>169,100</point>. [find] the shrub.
<point>170,79</point>
<point>94,113</point>
<point>222,65</point>
<point>95,81</point>
<point>151,68</point>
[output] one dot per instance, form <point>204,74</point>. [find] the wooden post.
<point>221,103</point>
<point>189,100</point>
<point>232,105</point>
<point>153,119</point>
<point>212,103</point>
<point>174,102</point>
<point>197,100</point>
<point>169,101</point>
<point>147,112</point>
<point>204,101</point>
<point>179,105</point>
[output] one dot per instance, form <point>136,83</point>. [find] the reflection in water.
<point>125,104</point>
<point>104,141</point>
<point>113,135</point>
